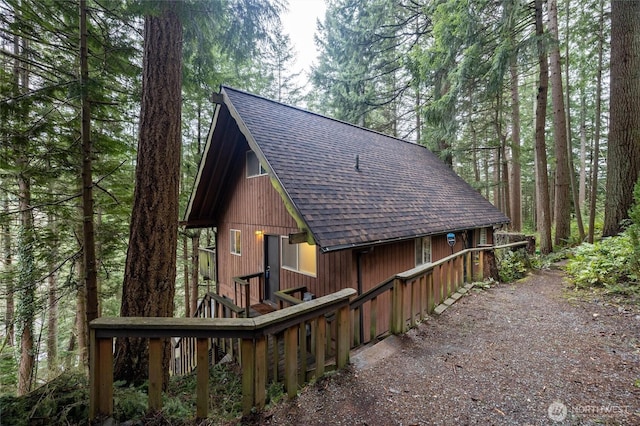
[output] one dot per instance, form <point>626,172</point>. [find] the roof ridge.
<point>224,86</point>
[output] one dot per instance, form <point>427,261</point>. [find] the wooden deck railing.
<point>252,332</point>
<point>243,288</point>
<point>184,348</point>
<point>415,293</point>
<point>331,323</point>
<point>286,297</point>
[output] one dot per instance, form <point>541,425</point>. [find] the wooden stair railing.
<point>184,348</point>
<point>252,332</point>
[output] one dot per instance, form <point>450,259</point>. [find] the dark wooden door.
<point>271,266</point>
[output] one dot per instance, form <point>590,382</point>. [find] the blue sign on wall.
<point>451,239</point>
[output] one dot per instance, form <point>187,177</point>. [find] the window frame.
<point>482,236</point>
<point>235,243</point>
<point>284,244</point>
<point>251,173</point>
<point>419,245</point>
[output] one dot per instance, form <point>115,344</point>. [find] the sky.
<point>300,23</point>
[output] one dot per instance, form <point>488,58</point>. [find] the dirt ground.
<point>528,353</point>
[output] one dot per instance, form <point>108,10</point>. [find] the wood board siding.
<point>252,204</point>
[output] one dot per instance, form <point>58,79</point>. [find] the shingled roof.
<point>399,190</point>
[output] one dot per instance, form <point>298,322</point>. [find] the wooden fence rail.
<point>415,293</point>
<point>252,332</point>
<point>332,322</point>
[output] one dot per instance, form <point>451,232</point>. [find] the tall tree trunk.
<point>623,153</point>
<point>26,286</point>
<point>9,284</point>
<point>26,282</point>
<point>595,167</point>
<point>82,332</point>
<point>88,233</point>
<point>582,180</point>
<point>516,171</point>
<point>542,178</point>
<point>562,203</point>
<point>52,302</point>
<point>150,271</point>
<point>572,171</point>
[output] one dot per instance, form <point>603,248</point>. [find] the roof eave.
<point>365,244</point>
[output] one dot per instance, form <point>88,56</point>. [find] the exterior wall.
<point>256,209</point>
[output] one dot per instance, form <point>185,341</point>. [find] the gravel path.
<point>527,353</point>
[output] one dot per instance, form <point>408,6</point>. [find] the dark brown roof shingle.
<point>400,190</point>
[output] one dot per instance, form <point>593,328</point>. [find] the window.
<point>254,168</point>
<point>423,250</point>
<point>235,242</point>
<point>483,236</point>
<point>299,257</point>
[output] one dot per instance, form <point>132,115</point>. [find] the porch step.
<point>261,309</point>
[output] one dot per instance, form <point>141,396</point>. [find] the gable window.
<point>254,168</point>
<point>299,257</point>
<point>483,236</point>
<point>423,250</point>
<point>235,242</point>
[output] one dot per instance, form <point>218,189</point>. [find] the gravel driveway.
<point>528,353</point>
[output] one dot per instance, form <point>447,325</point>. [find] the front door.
<point>271,266</point>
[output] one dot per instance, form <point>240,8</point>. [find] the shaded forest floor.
<point>527,353</point>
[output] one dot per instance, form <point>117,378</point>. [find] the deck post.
<point>202,377</point>
<point>342,339</point>
<point>373,319</point>
<point>430,293</point>
<point>100,376</point>
<point>320,337</point>
<point>302,344</point>
<point>155,374</point>
<point>291,361</point>
<point>397,307</point>
<point>260,371</point>
<point>248,375</point>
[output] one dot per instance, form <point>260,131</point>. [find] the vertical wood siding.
<point>252,204</point>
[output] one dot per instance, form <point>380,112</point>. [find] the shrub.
<point>606,263</point>
<point>512,265</point>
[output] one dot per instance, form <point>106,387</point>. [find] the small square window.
<point>235,242</point>
<point>254,168</point>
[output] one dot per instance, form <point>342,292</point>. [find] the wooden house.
<point>300,199</point>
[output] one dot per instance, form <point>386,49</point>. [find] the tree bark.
<point>150,271</point>
<point>52,319</point>
<point>572,171</point>
<point>81,317</point>
<point>562,203</point>
<point>516,170</point>
<point>623,153</point>
<point>542,178</point>
<point>88,228</point>
<point>9,284</point>
<point>595,166</point>
<point>26,282</point>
